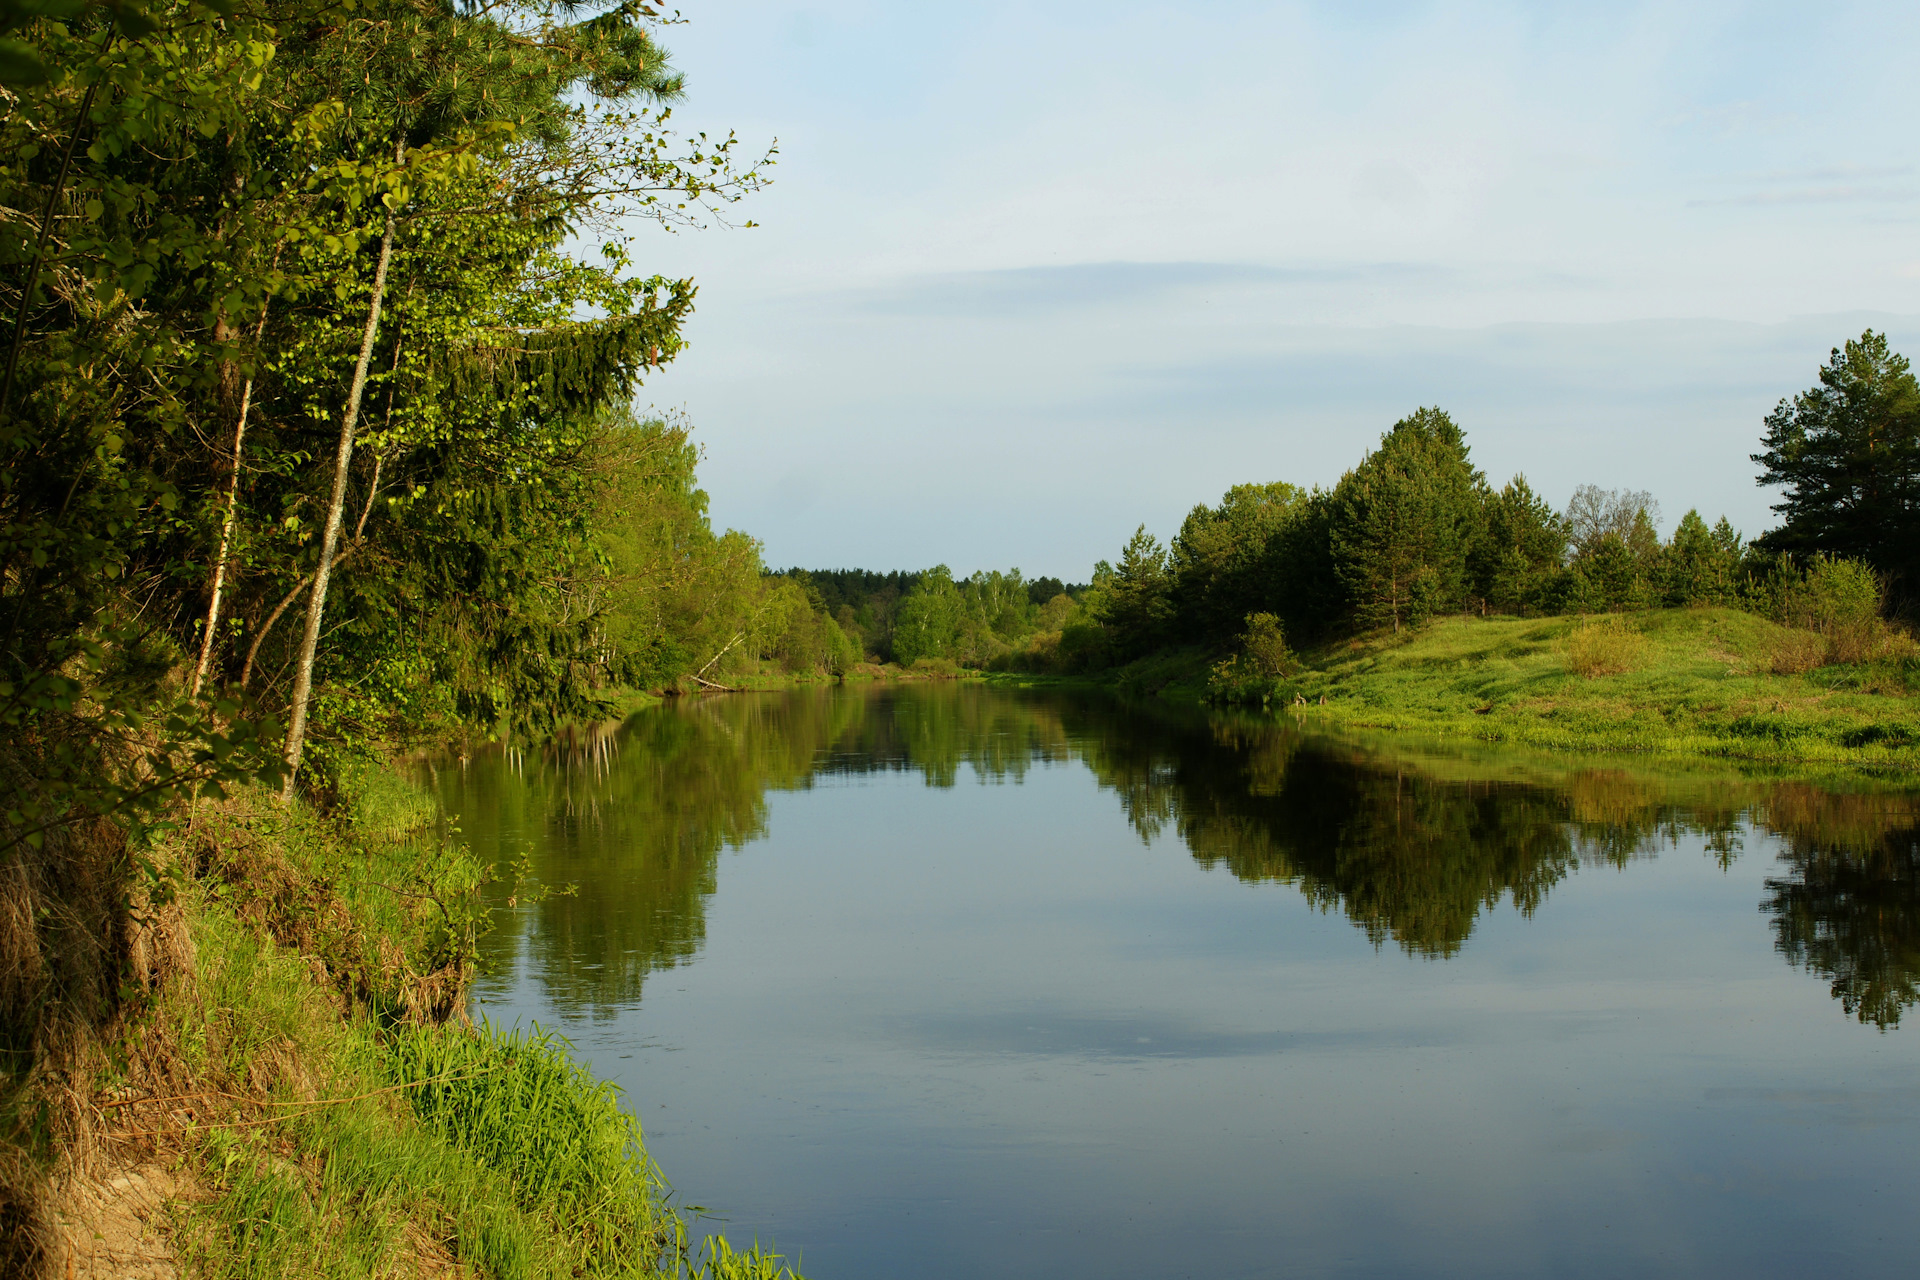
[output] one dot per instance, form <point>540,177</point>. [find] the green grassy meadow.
<point>1705,681</point>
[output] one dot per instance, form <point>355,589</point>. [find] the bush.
<point>1834,603</point>
<point>1263,646</point>
<point>1084,646</point>
<point>1602,647</point>
<point>1831,595</point>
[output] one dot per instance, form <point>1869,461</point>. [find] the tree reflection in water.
<point>1411,844</point>
<point>1849,907</point>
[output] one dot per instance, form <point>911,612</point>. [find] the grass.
<point>309,1077</point>
<point>357,1151</point>
<point>1698,681</point>
<point>1604,647</point>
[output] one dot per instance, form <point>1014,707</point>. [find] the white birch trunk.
<point>330,539</point>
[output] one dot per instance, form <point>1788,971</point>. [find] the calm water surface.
<point>955,982</point>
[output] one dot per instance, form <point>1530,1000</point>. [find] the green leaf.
<point>135,24</point>
<point>20,64</point>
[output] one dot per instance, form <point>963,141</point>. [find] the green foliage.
<point>1407,522</point>
<point>372,1141</point>
<point>1219,561</point>
<point>723,1263</point>
<point>1701,565</point>
<point>1525,550</point>
<point>1614,571</point>
<point>1847,455</point>
<point>1263,646</point>
<point>521,1106</point>
<point>1134,601</point>
<point>975,621</point>
<point>188,299</point>
<point>928,623</point>
<point>201,200</point>
<point>1836,603</point>
<point>667,595</point>
<point>1828,593</point>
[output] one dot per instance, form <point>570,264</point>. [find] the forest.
<point>324,320</point>
<point>315,400</point>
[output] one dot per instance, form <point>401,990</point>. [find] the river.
<point>955,981</point>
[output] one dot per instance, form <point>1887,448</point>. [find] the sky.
<point>1031,275</point>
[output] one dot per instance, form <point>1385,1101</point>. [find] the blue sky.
<point>1033,274</point>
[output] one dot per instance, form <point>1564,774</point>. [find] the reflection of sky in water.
<point>967,1030</point>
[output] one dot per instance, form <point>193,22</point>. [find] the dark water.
<point>944,981</point>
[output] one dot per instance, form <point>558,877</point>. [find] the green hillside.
<point>1711,681</point>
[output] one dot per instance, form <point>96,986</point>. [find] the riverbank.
<point>291,1088</point>
<point>1709,682</point>
<point>769,677</point>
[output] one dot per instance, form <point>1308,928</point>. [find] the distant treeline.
<point>908,616</point>
<point>1416,530</point>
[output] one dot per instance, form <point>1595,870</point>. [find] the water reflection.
<point>1413,846</point>
<point>1848,908</point>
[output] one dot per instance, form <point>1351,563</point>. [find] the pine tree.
<point>1847,454</point>
<point>1699,565</point>
<point>1525,550</point>
<point>1136,602</point>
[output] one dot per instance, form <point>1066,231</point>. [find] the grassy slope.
<point>1699,684</point>
<point>305,1075</point>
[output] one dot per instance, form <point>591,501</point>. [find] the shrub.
<point>1263,646</point>
<point>1834,603</point>
<point>1602,647</point>
<point>1831,595</point>
<point>1084,646</point>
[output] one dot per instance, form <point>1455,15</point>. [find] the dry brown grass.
<point>1604,647</point>
<point>1797,652</point>
<point>1800,650</point>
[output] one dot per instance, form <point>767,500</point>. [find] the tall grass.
<point>520,1105</point>
<point>723,1263</point>
<point>359,1148</point>
<point>379,803</point>
<point>1797,652</point>
<point>1604,647</point>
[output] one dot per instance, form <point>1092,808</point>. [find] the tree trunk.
<point>226,524</point>
<point>330,539</point>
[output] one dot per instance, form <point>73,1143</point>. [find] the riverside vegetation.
<point>1414,594</point>
<point>315,445</point>
<point>321,328</point>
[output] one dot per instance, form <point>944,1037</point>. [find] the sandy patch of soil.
<point>116,1227</point>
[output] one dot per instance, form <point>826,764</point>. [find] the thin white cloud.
<point>1837,194</point>
<point>1034,272</point>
